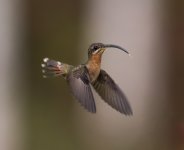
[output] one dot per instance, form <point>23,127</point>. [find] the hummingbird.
<point>85,76</point>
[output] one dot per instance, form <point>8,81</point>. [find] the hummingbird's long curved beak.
<point>115,46</point>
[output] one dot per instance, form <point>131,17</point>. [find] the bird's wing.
<point>111,93</point>
<point>78,80</point>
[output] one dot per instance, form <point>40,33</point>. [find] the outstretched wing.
<point>78,81</point>
<point>111,93</point>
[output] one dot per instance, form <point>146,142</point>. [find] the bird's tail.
<point>52,68</point>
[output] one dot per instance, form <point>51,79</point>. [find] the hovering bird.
<point>81,78</point>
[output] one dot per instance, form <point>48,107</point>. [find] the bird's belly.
<point>93,76</point>
<point>93,73</point>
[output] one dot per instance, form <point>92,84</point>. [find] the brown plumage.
<point>93,65</point>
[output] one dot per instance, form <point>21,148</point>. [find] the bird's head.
<point>99,48</point>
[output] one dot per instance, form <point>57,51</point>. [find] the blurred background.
<point>37,113</point>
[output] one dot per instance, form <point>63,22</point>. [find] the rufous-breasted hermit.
<point>83,77</point>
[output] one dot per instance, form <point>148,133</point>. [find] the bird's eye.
<point>95,47</point>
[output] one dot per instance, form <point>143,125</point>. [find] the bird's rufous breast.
<point>93,65</point>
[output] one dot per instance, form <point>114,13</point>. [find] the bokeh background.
<point>41,114</point>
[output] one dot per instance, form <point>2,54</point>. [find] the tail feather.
<point>51,68</point>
